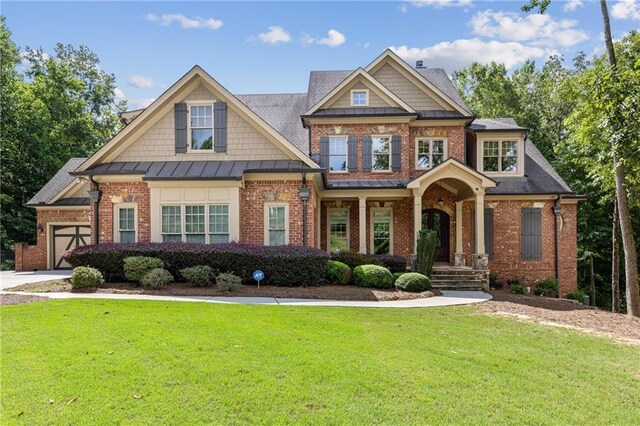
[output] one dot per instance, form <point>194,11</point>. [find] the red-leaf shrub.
<point>282,265</point>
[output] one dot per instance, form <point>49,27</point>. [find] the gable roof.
<point>495,124</point>
<point>439,78</point>
<point>57,183</point>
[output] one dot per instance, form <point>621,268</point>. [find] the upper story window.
<point>338,154</point>
<point>500,156</point>
<point>430,152</point>
<point>201,124</point>
<point>359,98</point>
<point>381,152</point>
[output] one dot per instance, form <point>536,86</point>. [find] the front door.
<point>438,220</point>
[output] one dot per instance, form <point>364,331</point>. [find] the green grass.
<point>195,363</point>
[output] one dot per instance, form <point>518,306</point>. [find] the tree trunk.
<point>592,278</point>
<point>628,241</point>
<point>615,262</point>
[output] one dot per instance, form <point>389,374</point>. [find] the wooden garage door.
<point>66,237</point>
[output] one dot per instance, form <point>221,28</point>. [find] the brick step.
<point>456,272</point>
<point>457,283</point>
<point>456,277</point>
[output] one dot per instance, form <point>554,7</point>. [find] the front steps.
<point>458,278</point>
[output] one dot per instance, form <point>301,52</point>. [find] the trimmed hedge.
<point>353,259</point>
<point>413,282</point>
<point>338,273</point>
<point>282,265</point>
<point>157,279</point>
<point>372,276</point>
<point>84,277</point>
<point>397,275</point>
<point>199,276</point>
<point>228,282</point>
<point>137,267</point>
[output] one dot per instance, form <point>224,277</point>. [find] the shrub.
<point>157,279</point>
<point>514,280</point>
<point>228,282</point>
<point>494,282</point>
<point>338,273</point>
<point>137,267</point>
<point>548,287</point>
<point>282,265</point>
<point>372,276</point>
<point>8,265</point>
<point>200,275</point>
<point>577,295</point>
<point>397,275</point>
<point>517,288</point>
<point>414,282</point>
<point>427,244</point>
<point>353,259</point>
<point>85,277</point>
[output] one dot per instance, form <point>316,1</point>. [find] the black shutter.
<point>488,232</point>
<point>531,234</point>
<point>396,150</point>
<point>352,152</point>
<point>367,146</point>
<point>220,127</point>
<point>324,152</point>
<point>180,113</point>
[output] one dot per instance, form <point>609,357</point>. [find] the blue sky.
<point>270,47</point>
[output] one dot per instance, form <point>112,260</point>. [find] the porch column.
<point>319,222</point>
<point>417,218</point>
<point>480,259</point>
<point>362,221</point>
<point>459,254</point>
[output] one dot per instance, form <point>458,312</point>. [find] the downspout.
<point>305,192</point>
<point>557,210</point>
<point>94,197</point>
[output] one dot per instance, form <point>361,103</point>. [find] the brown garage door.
<point>66,237</point>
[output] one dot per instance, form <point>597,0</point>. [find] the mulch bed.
<point>332,292</point>
<point>18,299</point>
<point>564,313</point>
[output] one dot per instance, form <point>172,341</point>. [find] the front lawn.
<point>140,362</point>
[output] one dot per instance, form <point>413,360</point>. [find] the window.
<point>359,98</point>
<point>500,156</point>
<point>171,223</point>
<point>276,232</point>
<point>218,224</point>
<point>125,224</point>
<point>201,127</point>
<point>381,152</point>
<point>381,242</point>
<point>338,230</point>
<point>431,152</point>
<point>338,154</point>
<point>194,224</point>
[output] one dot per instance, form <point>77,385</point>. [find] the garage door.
<point>66,237</point>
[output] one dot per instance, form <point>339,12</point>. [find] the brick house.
<point>362,162</point>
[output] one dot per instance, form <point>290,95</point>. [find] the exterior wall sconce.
<point>305,193</point>
<point>40,229</point>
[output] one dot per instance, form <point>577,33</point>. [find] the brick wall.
<point>124,192</point>
<point>32,257</point>
<point>253,197</point>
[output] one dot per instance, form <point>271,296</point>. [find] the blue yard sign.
<point>258,276</point>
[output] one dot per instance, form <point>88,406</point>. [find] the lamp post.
<point>305,193</point>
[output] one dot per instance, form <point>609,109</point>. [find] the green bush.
<point>494,282</point>
<point>517,288</point>
<point>577,295</point>
<point>427,247</point>
<point>413,282</point>
<point>8,265</point>
<point>338,273</point>
<point>85,277</point>
<point>157,279</point>
<point>548,287</point>
<point>353,259</point>
<point>137,267</point>
<point>199,276</point>
<point>372,276</point>
<point>228,282</point>
<point>397,275</point>
<point>514,280</point>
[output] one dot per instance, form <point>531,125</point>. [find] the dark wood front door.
<point>438,220</point>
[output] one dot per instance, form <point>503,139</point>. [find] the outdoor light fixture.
<point>40,229</point>
<point>305,193</point>
<point>440,201</point>
<point>94,195</point>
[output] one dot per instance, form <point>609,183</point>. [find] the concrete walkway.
<point>448,298</point>
<point>12,278</point>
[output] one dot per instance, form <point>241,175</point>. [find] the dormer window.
<point>359,98</point>
<point>501,156</point>
<point>201,126</point>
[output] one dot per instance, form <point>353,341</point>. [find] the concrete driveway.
<point>11,278</point>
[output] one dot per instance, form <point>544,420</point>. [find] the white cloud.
<point>119,94</point>
<point>334,38</point>
<point>275,35</point>
<point>626,9</point>
<point>536,29</point>
<point>139,103</point>
<point>458,54</point>
<point>572,5</point>
<point>26,63</point>
<point>141,82</point>
<point>436,4</point>
<point>185,22</point>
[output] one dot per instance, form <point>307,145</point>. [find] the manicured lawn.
<point>203,363</point>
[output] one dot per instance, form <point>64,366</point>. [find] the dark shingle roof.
<point>439,78</point>
<point>489,124</point>
<point>197,170</point>
<point>57,183</point>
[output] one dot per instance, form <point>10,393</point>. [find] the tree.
<point>60,107</point>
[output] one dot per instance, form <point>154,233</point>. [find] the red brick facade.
<point>124,192</point>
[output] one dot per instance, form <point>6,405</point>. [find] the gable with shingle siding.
<point>245,142</point>
<point>344,101</point>
<point>393,80</point>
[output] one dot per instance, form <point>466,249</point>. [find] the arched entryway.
<point>439,221</point>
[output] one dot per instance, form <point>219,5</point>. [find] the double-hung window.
<point>431,152</point>
<point>171,223</point>
<point>201,122</point>
<point>500,156</point>
<point>338,230</point>
<point>218,223</point>
<point>276,222</point>
<point>338,154</point>
<point>381,231</point>
<point>125,224</point>
<point>381,151</point>
<point>195,223</point>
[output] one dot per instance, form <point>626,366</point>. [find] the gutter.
<point>557,211</point>
<point>94,198</point>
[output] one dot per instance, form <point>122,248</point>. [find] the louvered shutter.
<point>396,150</point>
<point>488,232</point>
<point>180,113</point>
<point>324,152</point>
<point>220,127</point>
<point>367,146</point>
<point>352,152</point>
<point>531,234</point>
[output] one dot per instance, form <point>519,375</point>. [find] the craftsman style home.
<point>361,162</point>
